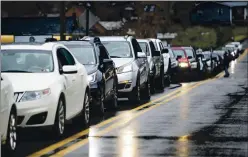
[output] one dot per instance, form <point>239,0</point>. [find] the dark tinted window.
<point>136,46</point>
<point>153,48</point>
<point>103,52</point>
<point>64,57</point>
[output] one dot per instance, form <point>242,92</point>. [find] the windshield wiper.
<point>115,57</point>
<point>19,71</point>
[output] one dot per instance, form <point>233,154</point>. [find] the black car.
<point>101,71</point>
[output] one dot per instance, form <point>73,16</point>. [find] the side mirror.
<point>190,57</point>
<point>156,53</point>
<point>141,55</point>
<point>107,61</point>
<point>69,69</point>
<point>178,57</point>
<point>165,51</point>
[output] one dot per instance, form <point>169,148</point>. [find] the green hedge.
<point>199,37</point>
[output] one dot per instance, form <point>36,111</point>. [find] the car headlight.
<point>34,95</point>
<point>92,77</point>
<point>124,69</point>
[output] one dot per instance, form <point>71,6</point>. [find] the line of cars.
<point>47,84</point>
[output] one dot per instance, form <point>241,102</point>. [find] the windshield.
<point>179,53</point>
<point>29,61</point>
<point>144,47</point>
<point>118,49</point>
<point>190,52</point>
<point>84,54</point>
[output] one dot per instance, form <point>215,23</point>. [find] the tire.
<point>101,109</point>
<point>146,92</point>
<point>59,125</point>
<point>160,84</point>
<point>152,85</point>
<point>11,143</point>
<point>86,110</point>
<point>113,103</point>
<point>134,96</point>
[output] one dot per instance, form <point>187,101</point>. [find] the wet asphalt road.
<point>202,118</point>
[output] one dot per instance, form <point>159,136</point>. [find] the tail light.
<point>183,61</point>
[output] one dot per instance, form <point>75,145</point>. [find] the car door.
<point>4,106</point>
<point>73,84</point>
<point>108,68</point>
<point>142,62</point>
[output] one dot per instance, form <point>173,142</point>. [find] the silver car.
<point>155,65</point>
<point>132,67</point>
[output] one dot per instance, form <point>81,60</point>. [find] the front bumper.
<point>37,113</point>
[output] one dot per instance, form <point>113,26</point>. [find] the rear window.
<point>145,48</point>
<point>179,53</point>
<point>190,52</point>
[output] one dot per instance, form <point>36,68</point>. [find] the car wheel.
<point>101,102</point>
<point>114,100</point>
<point>146,91</point>
<point>152,85</point>
<point>86,110</point>
<point>11,142</point>
<point>59,125</point>
<point>160,84</point>
<point>135,94</point>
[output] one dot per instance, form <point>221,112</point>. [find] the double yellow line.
<point>164,99</point>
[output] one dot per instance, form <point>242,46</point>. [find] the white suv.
<point>155,63</point>
<point>50,85</point>
<point>8,116</point>
<point>132,67</point>
<point>166,57</point>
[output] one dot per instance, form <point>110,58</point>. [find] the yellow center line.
<point>86,131</point>
<point>122,122</point>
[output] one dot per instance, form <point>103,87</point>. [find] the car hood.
<point>90,68</point>
<point>121,61</point>
<point>30,81</point>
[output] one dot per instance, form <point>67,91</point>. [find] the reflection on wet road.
<point>203,118</point>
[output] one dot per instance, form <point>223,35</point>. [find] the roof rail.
<point>50,40</point>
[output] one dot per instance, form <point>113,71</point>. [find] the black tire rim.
<point>61,118</point>
<point>12,132</point>
<point>86,108</point>
<point>115,96</point>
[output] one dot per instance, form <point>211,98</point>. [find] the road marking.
<point>124,121</point>
<point>85,132</point>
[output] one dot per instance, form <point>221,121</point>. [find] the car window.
<point>84,54</point>
<point>179,53</point>
<point>118,49</point>
<point>64,58</point>
<point>190,52</point>
<point>161,46</point>
<point>145,48</point>
<point>136,46</point>
<point>153,48</point>
<point>35,61</point>
<point>103,52</point>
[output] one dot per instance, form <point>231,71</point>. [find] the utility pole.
<point>62,20</point>
<point>87,18</point>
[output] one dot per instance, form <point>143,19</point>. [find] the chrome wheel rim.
<point>87,109</point>
<point>12,132</point>
<point>61,118</point>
